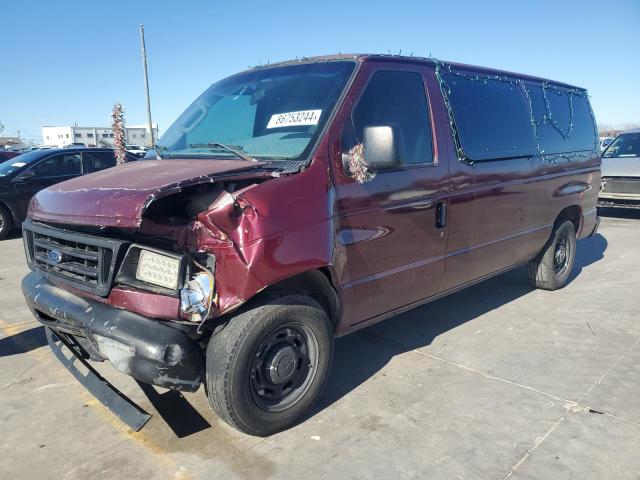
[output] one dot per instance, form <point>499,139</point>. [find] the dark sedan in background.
<point>7,154</point>
<point>620,183</point>
<point>24,175</point>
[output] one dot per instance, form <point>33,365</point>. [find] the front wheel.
<point>265,369</point>
<point>5,223</point>
<point>551,269</point>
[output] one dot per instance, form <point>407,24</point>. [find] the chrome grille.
<point>621,185</point>
<point>71,259</point>
<point>82,261</point>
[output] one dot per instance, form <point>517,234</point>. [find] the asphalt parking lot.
<point>497,381</point>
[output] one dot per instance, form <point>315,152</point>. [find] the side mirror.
<point>25,176</point>
<point>381,147</point>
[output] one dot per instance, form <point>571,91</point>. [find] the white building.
<point>95,136</point>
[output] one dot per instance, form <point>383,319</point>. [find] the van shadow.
<point>179,415</point>
<point>23,342</point>
<point>362,354</point>
<point>590,250</point>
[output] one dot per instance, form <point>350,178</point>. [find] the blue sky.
<point>68,61</point>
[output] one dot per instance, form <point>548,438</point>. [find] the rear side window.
<point>563,119</point>
<point>395,99</point>
<point>496,118</point>
<point>95,161</point>
<point>59,166</point>
<point>492,118</point>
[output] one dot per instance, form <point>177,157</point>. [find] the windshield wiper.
<point>236,152</point>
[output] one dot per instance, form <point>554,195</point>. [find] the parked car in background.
<point>136,150</point>
<point>294,203</point>
<point>7,154</point>
<point>24,175</point>
<point>605,142</point>
<point>620,184</point>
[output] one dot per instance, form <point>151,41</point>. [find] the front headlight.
<point>197,296</point>
<point>158,269</point>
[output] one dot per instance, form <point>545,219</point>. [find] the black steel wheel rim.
<point>283,367</point>
<point>561,254</point>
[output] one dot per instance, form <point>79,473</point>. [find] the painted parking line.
<point>85,398</point>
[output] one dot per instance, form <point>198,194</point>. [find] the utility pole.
<point>146,86</point>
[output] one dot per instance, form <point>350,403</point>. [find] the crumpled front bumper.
<point>149,350</point>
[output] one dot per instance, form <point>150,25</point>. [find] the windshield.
<point>16,163</point>
<point>625,145</point>
<point>273,113</point>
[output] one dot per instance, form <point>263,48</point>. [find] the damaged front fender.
<point>265,233</point>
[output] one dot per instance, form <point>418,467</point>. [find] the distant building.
<point>95,136</point>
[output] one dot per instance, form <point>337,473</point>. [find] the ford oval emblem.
<point>54,256</point>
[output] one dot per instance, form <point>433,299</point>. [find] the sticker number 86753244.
<point>291,119</point>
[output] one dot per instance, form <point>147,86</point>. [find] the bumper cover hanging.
<point>120,405</point>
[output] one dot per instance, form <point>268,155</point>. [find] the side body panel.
<point>567,183</point>
<point>490,224</point>
<point>388,250</point>
<point>503,211</point>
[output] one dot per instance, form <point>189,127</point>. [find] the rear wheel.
<point>551,269</point>
<point>266,368</point>
<point>5,223</point>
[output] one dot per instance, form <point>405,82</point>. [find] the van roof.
<point>412,59</point>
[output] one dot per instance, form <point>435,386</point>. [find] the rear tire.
<point>551,269</point>
<point>5,223</point>
<point>265,369</point>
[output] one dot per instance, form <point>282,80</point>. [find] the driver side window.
<point>66,164</point>
<point>398,99</point>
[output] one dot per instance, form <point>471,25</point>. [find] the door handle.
<point>441,214</point>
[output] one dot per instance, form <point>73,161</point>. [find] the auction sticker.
<point>293,119</point>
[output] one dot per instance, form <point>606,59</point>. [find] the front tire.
<point>551,269</point>
<point>265,369</point>
<point>5,223</point>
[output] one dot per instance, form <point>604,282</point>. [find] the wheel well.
<point>573,213</point>
<point>314,283</point>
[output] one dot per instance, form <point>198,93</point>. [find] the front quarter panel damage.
<point>265,233</point>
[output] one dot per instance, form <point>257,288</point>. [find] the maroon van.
<point>301,201</point>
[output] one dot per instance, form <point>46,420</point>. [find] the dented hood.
<point>117,197</point>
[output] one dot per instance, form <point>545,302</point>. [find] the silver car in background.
<point>620,184</point>
<point>605,142</point>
